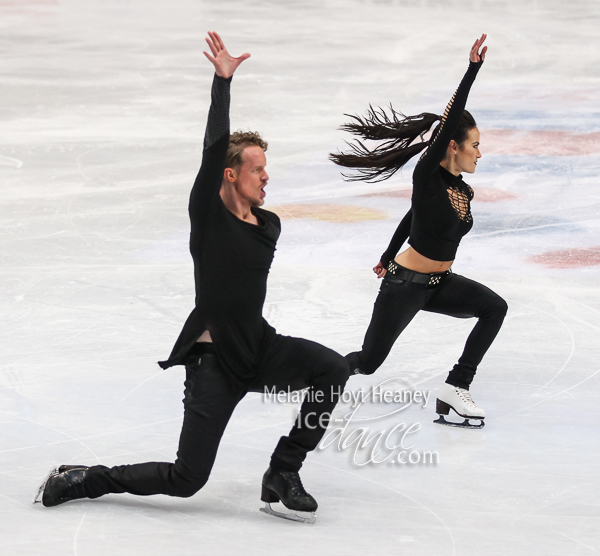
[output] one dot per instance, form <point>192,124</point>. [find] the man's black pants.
<point>288,364</point>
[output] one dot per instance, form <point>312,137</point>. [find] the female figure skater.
<point>420,278</point>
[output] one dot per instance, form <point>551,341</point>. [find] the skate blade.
<point>38,497</point>
<point>301,517</point>
<point>466,424</point>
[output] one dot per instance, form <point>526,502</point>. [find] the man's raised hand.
<point>225,65</point>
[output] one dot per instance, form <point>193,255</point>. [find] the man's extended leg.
<point>209,402</point>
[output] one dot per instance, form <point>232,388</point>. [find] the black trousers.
<point>288,364</point>
<point>399,301</point>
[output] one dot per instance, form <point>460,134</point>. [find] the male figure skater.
<point>226,345</point>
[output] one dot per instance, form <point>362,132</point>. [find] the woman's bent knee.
<point>499,307</point>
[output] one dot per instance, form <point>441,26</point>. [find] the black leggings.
<point>288,364</point>
<point>399,301</point>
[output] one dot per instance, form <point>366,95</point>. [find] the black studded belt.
<point>397,272</point>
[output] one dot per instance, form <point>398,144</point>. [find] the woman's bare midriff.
<point>415,261</point>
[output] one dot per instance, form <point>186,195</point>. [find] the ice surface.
<point>103,113</point>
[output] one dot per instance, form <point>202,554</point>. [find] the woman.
<point>420,277</point>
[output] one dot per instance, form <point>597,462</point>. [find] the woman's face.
<point>467,153</point>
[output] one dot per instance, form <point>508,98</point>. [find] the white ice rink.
<point>102,111</point>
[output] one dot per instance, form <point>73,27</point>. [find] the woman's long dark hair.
<point>399,133</point>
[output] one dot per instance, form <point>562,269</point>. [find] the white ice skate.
<point>460,400</point>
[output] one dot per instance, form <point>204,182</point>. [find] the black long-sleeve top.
<point>231,257</point>
<point>440,214</point>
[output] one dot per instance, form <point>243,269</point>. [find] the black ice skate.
<point>286,486</point>
<point>461,402</point>
<point>62,484</point>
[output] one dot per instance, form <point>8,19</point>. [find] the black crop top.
<point>440,214</point>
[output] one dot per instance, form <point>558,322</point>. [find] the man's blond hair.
<point>238,141</point>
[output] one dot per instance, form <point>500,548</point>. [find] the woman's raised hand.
<point>225,65</point>
<point>475,56</point>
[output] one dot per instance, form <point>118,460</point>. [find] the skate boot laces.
<point>460,401</point>
<point>465,396</point>
<point>295,483</point>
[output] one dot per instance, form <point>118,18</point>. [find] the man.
<point>226,345</point>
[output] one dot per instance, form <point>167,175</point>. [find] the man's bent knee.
<point>339,371</point>
<point>184,487</point>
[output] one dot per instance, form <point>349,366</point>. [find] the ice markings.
<point>8,161</point>
<point>396,193</point>
<point>483,194</point>
<point>521,224</point>
<point>541,142</point>
<point>329,212</point>
<point>568,258</point>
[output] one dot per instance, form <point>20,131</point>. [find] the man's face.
<point>251,176</point>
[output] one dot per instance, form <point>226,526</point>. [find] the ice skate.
<point>459,400</point>
<point>62,484</point>
<point>286,487</point>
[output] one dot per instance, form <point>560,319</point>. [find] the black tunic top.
<point>440,214</point>
<point>231,257</point>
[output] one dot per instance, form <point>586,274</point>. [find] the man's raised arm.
<point>225,66</point>
<point>208,181</point>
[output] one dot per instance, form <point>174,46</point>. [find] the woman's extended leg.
<point>396,305</point>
